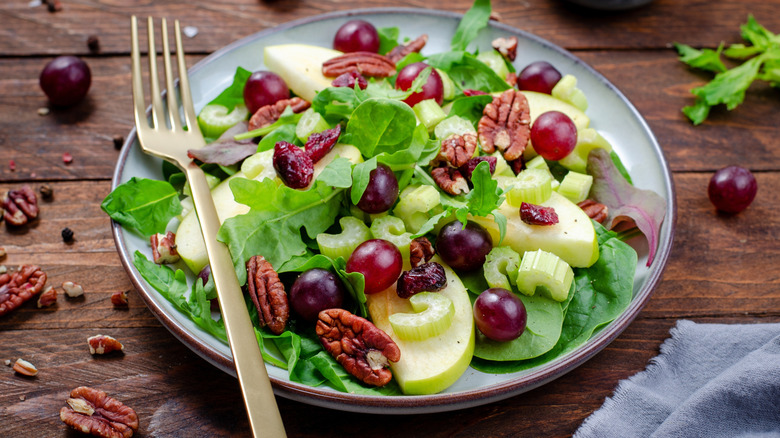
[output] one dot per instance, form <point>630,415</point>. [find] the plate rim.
<point>435,402</point>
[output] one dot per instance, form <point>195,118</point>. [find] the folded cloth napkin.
<point>710,380</point>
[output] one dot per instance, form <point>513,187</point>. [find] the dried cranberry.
<point>349,79</point>
<point>468,168</point>
<point>533,214</point>
<point>320,143</point>
<point>428,277</point>
<point>293,165</point>
<point>469,92</point>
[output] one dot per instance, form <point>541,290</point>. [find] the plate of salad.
<point>428,211</point>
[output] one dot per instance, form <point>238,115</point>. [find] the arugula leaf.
<point>144,205</point>
<point>388,39</point>
<point>624,201</point>
<point>474,20</point>
<point>485,196</point>
<point>272,227</point>
<point>381,125</point>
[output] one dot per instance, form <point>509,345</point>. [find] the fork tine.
<point>138,87</point>
<point>158,116</point>
<point>173,106</point>
<point>184,84</point>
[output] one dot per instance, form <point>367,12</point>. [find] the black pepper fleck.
<point>118,141</point>
<point>93,42</point>
<point>67,235</point>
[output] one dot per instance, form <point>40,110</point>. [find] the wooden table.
<point>723,269</point>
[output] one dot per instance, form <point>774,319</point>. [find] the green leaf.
<point>272,227</point>
<point>381,125</point>
<point>337,173</point>
<point>705,59</point>
<point>343,381</point>
<point>740,51</point>
<point>757,34</point>
<point>388,39</point>
<point>486,196</point>
<point>336,103</point>
<point>361,175</point>
<point>233,95</point>
<point>282,133</point>
<point>288,117</point>
<point>729,87</point>
<point>467,72</point>
<point>470,107</point>
<point>475,19</point>
<point>142,204</point>
<point>697,112</point>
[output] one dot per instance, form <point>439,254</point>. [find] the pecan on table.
<point>450,180</point>
<point>267,292</point>
<point>457,149</point>
<point>47,297</point>
<point>21,206</point>
<point>18,287</point>
<point>366,63</point>
<point>420,251</point>
<point>506,125</point>
<point>595,210</point>
<point>359,346</point>
<point>507,47</point>
<point>92,411</point>
<point>428,277</point>
<point>268,114</point>
<point>103,344</point>
<point>400,51</point>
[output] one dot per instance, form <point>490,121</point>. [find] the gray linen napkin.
<point>710,380</point>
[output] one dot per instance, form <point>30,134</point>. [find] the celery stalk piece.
<point>415,205</point>
<point>575,186</point>
<point>393,230</point>
<point>500,268</point>
<point>311,122</point>
<point>533,186</point>
<point>214,120</point>
<point>433,313</point>
<point>354,232</point>
<point>567,91</point>
<point>502,167</point>
<point>545,269</point>
<point>429,113</point>
<point>537,163</point>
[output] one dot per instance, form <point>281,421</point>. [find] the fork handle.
<point>252,375</point>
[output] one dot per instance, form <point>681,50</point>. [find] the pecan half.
<point>507,47</point>
<point>92,411</point>
<point>506,125</point>
<point>164,248</point>
<point>420,251</point>
<point>268,114</point>
<point>47,297</point>
<point>21,206</point>
<point>18,287</point>
<point>358,345</point>
<point>428,277</point>
<point>267,292</point>
<point>366,63</point>
<point>102,344</point>
<point>450,180</point>
<point>399,52</point>
<point>595,210</point>
<point>457,149</point>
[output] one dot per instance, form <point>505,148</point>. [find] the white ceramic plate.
<point>610,112</point>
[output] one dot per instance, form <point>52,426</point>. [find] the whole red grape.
<point>65,80</point>
<point>553,135</point>
<point>500,315</point>
<point>380,263</point>
<point>462,248</point>
<point>433,88</point>
<point>381,192</point>
<point>316,290</point>
<point>732,189</point>
<point>356,36</point>
<point>264,88</point>
<point>539,76</point>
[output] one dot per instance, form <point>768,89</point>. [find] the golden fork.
<point>168,139</point>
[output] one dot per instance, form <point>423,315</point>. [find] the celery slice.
<point>575,186</point>
<point>567,91</point>
<point>214,120</point>
<point>453,125</point>
<point>354,232</point>
<point>533,186</point>
<point>429,113</point>
<point>393,230</point>
<point>433,316</point>
<point>541,268</point>
<point>415,205</point>
<point>537,162</point>
<point>501,265</point>
<point>311,122</point>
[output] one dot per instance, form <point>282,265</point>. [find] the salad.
<point>443,206</point>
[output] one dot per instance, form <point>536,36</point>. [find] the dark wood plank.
<point>34,31</point>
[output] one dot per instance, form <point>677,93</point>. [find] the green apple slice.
<point>432,316</point>
<point>300,66</point>
<point>573,238</point>
<point>431,365</point>
<point>189,240</point>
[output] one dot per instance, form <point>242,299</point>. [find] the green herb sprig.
<point>729,85</point>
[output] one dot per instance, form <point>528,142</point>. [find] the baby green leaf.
<point>474,20</point>
<point>381,125</point>
<point>142,204</point>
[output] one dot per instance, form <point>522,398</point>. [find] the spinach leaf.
<point>144,205</point>
<point>361,175</point>
<point>233,95</point>
<point>282,133</point>
<point>388,39</point>
<point>337,173</point>
<point>343,381</point>
<point>474,20</point>
<point>381,125</point>
<point>467,72</point>
<point>470,107</point>
<point>336,103</point>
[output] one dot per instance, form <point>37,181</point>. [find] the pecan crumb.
<point>25,368</point>
<point>43,111</point>
<point>595,210</point>
<point>2,253</point>
<point>268,114</point>
<point>72,289</point>
<point>8,362</point>
<point>48,297</point>
<point>20,205</point>
<point>420,251</point>
<point>46,192</point>
<point>164,248</point>
<point>22,397</point>
<point>450,180</point>
<point>400,51</point>
<point>103,344</point>
<point>119,298</point>
<point>507,47</point>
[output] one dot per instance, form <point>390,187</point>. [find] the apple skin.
<point>189,240</point>
<point>431,365</point>
<point>300,66</point>
<point>573,238</point>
